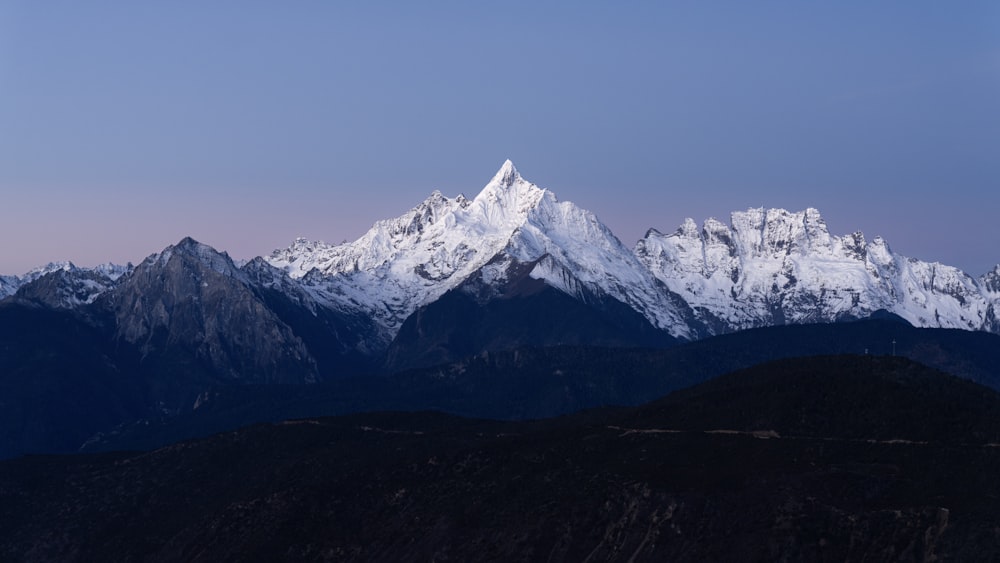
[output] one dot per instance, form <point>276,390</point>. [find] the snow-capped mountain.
<point>63,284</point>
<point>10,284</point>
<point>767,266</point>
<point>404,263</point>
<point>512,268</point>
<point>775,267</point>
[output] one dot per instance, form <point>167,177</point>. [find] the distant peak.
<point>187,242</point>
<point>191,251</point>
<point>688,228</point>
<point>433,204</point>
<point>191,247</point>
<point>507,174</point>
<point>435,199</point>
<point>188,245</point>
<point>879,243</point>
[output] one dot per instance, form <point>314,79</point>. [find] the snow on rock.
<point>63,284</point>
<point>35,273</point>
<point>990,282</point>
<point>219,262</point>
<point>9,285</point>
<point>772,266</point>
<point>113,271</point>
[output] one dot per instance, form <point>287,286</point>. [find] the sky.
<point>126,126</point>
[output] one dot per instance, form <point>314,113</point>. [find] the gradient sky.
<point>125,126</point>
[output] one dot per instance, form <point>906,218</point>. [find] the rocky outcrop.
<point>192,315</point>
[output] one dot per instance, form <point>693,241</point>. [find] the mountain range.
<point>729,392</point>
<point>515,239</point>
<point>512,268</point>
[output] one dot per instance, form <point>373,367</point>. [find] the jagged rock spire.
<point>507,174</point>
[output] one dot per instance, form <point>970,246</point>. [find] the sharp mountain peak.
<point>507,174</point>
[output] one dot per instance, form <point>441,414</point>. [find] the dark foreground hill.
<point>545,382</point>
<point>821,459</point>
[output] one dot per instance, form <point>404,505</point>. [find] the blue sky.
<point>125,126</point>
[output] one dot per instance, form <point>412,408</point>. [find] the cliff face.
<point>191,314</point>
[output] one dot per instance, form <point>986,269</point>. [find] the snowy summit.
<point>767,266</point>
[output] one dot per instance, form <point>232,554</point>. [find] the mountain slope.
<point>489,315</point>
<point>848,398</point>
<point>340,343</point>
<point>532,382</point>
<point>193,319</point>
<point>60,381</point>
<point>667,482</point>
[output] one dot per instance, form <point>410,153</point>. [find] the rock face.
<point>189,309</point>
